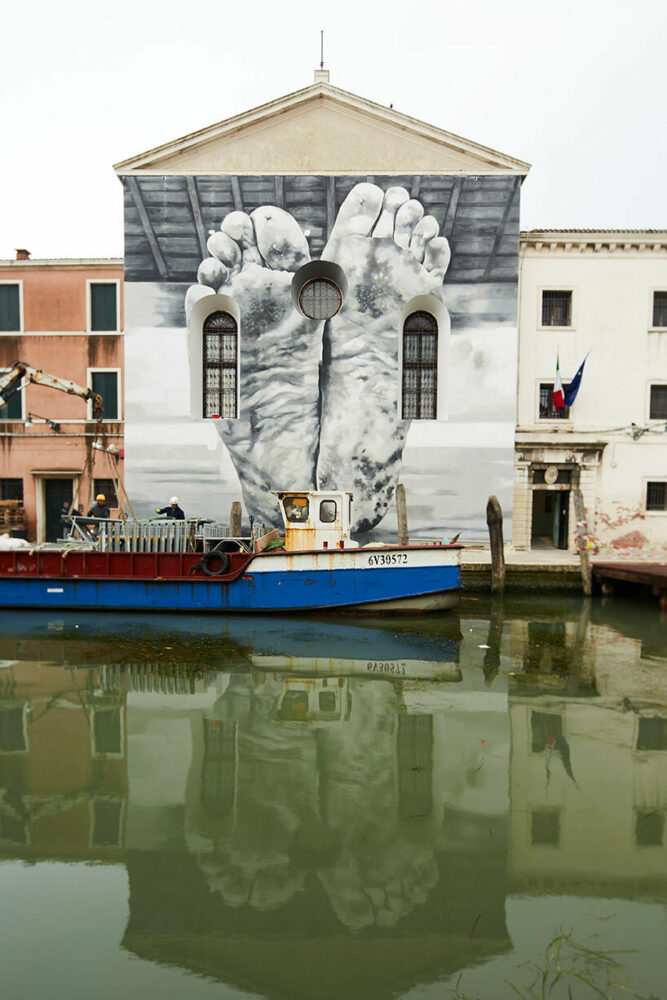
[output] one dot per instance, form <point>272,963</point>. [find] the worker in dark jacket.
<point>173,510</point>
<point>101,508</point>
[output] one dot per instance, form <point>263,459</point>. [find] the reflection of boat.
<point>310,645</point>
<point>320,568</point>
<point>306,699</point>
<point>401,669</point>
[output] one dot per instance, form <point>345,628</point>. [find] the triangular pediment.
<point>321,130</point>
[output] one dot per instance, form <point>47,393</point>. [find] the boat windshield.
<point>296,508</point>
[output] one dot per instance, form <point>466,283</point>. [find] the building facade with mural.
<point>63,317</point>
<point>322,293</point>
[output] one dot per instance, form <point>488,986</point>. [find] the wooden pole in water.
<point>235,520</point>
<point>494,519</point>
<point>582,535</point>
<point>402,515</point>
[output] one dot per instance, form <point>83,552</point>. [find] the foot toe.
<point>212,272</point>
<point>407,218</point>
<point>280,239</point>
<point>225,249</point>
<point>393,199</point>
<point>437,256</point>
<point>359,212</point>
<point>425,230</point>
<point>238,226</point>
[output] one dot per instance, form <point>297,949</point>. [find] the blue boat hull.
<point>386,588</point>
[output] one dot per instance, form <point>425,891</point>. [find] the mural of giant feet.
<point>273,443</point>
<point>319,402</point>
<point>390,253</point>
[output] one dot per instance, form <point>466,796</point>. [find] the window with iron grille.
<point>656,496</point>
<point>547,409</point>
<point>658,405</point>
<point>556,308</point>
<point>660,309</point>
<point>220,365</point>
<point>320,298</point>
<point>108,489</point>
<point>11,489</point>
<point>420,367</point>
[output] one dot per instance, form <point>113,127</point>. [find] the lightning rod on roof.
<point>322,49</point>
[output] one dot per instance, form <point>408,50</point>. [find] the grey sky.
<point>576,88</point>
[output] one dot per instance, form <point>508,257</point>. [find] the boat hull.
<point>390,580</point>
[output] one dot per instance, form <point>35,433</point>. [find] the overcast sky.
<point>576,88</point>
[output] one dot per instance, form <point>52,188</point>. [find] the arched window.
<point>420,367</point>
<point>220,365</point>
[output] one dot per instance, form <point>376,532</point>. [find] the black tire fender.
<point>215,556</point>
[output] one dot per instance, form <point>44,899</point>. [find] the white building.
<point>604,293</point>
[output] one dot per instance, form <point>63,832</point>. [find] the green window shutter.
<point>106,383</point>
<point>10,312</point>
<point>103,307</point>
<point>12,410</point>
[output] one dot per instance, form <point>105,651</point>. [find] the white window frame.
<point>121,819</point>
<point>19,282</point>
<point>89,375</point>
<point>93,748</point>
<point>646,480</point>
<point>25,749</point>
<point>651,327</point>
<point>89,303</point>
<point>656,420</point>
<point>573,304</point>
<point>21,392</point>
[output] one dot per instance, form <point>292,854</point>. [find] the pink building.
<point>64,317</point>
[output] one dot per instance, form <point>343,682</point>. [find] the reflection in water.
<point>311,809</point>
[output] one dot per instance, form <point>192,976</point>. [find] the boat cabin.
<point>316,520</point>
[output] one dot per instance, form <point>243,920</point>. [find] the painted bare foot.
<point>390,253</point>
<point>273,442</point>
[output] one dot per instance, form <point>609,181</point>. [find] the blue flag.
<point>570,393</point>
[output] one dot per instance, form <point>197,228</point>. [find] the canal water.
<point>471,805</point>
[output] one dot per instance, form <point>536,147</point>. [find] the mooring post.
<point>235,520</point>
<point>402,515</point>
<point>582,542</point>
<point>494,519</point>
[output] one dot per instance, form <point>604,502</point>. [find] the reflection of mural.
<point>320,400</point>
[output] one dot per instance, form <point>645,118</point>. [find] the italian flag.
<point>559,397</point>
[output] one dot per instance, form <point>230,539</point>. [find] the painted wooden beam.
<point>450,214</point>
<point>500,232</point>
<point>237,194</point>
<point>196,214</point>
<point>148,228</point>
<point>416,185</point>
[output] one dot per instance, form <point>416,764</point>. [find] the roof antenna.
<point>321,74</point>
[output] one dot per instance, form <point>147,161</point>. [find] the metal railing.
<point>194,535</point>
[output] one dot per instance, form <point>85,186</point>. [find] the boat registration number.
<point>388,559</point>
<point>392,667</point>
